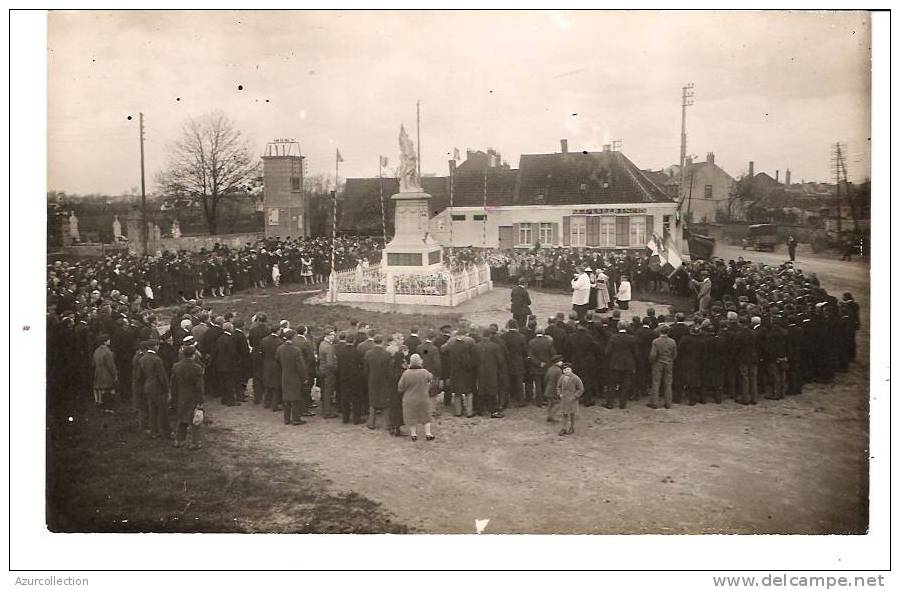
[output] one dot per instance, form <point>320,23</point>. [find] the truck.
<point>761,236</point>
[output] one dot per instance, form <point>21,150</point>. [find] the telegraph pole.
<point>144,230</point>
<point>687,94</point>
<point>836,168</point>
<point>840,177</point>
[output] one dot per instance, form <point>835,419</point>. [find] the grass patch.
<point>278,305</point>
<point>104,475</point>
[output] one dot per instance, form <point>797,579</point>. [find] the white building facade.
<point>602,226</point>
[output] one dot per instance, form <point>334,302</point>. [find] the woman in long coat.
<point>413,387</point>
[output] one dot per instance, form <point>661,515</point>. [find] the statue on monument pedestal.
<point>408,173</point>
<point>73,227</point>
<point>117,228</point>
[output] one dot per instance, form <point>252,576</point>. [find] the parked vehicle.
<point>762,236</point>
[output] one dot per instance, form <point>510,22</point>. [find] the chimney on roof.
<point>564,146</point>
<point>688,160</point>
<point>710,158</point>
<point>777,175</point>
<point>751,169</point>
<point>607,147</point>
<point>787,177</point>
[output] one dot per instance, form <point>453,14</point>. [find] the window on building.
<point>273,216</point>
<point>457,218</point>
<point>707,191</point>
<point>295,183</point>
<point>667,224</point>
<point>607,232</point>
<point>578,231</point>
<point>479,217</point>
<point>525,233</point>
<point>638,231</point>
<point>545,236</point>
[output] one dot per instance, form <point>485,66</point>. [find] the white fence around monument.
<point>444,288</point>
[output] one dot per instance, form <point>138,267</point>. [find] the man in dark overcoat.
<point>187,393</point>
<point>294,374</point>
<point>541,351</point>
<point>584,358</point>
<point>645,337</point>
<point>462,377</point>
<point>244,362</point>
<point>517,364</point>
<point>488,361</point>
<point>690,358</point>
<point>378,369</point>
<point>155,386</point>
<point>226,363</point>
<point>271,373</point>
<point>620,352</point>
<point>259,330</point>
<point>349,380</point>
<point>520,303</point>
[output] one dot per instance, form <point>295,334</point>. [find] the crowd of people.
<point>174,277</point>
<point>553,268</point>
<point>755,331</point>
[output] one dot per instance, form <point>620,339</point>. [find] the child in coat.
<point>569,389</point>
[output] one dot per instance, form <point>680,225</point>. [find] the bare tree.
<point>210,160</point>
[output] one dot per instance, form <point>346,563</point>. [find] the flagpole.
<point>381,198</point>
<point>452,178</point>
<point>334,207</point>
<point>484,206</point>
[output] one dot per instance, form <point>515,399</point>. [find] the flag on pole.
<point>338,156</point>
<point>383,161</point>
<point>664,256</point>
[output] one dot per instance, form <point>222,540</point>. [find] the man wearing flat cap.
<point>155,386</point>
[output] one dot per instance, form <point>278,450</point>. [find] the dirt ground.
<point>793,466</point>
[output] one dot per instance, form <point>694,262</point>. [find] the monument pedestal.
<point>412,250</point>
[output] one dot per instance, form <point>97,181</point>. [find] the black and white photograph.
<point>587,276</point>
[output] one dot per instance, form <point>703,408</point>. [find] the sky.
<point>777,88</point>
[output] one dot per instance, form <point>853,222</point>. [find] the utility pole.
<point>418,142</point>
<point>687,94</point>
<point>144,229</point>
<point>836,159</point>
<point>840,164</point>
